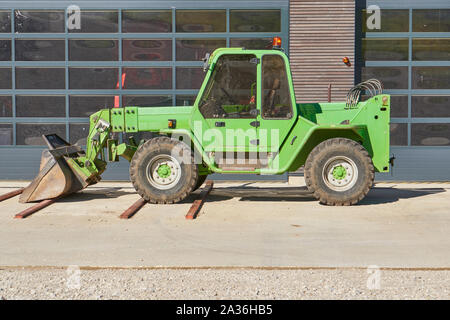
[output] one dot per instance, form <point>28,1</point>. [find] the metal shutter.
<point>321,34</point>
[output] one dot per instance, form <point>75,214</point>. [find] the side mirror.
<point>206,62</point>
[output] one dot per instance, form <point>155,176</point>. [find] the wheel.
<point>339,172</point>
<point>163,170</point>
<point>200,181</point>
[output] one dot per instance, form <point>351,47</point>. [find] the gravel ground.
<point>242,283</point>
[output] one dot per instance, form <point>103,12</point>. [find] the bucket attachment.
<point>58,175</point>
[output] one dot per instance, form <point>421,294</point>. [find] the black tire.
<point>339,161</point>
<point>151,156</point>
<point>200,181</point>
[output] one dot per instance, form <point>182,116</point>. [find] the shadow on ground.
<point>377,195</point>
<point>296,194</point>
<point>393,194</point>
<point>92,194</point>
<point>116,192</point>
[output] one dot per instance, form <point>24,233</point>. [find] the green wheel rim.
<point>163,172</point>
<point>340,173</point>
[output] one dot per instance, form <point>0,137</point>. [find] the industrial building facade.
<point>55,70</point>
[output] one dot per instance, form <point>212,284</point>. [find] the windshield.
<point>231,90</point>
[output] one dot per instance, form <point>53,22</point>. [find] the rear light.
<point>276,43</point>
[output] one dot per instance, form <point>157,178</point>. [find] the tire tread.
<point>323,196</point>
<point>152,145</point>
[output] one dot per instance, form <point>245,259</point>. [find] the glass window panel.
<point>201,20</point>
<point>40,50</point>
<point>147,50</point>
<point>231,89</point>
<point>430,106</point>
<point>437,20</point>
<point>5,50</point>
<point>5,78</point>
<point>391,77</point>
<point>78,133</point>
<point>431,77</point>
<point>5,106</point>
<point>392,20</point>
<point>189,78</point>
<point>5,22</point>
<point>39,21</point>
<point>255,21</point>
<point>430,134</point>
<point>31,133</point>
<point>185,100</point>
<point>385,49</point>
<point>41,106</point>
<point>40,78</point>
<point>98,22</point>
<point>195,50</point>
<point>147,101</point>
<point>6,134</point>
<point>431,49</point>
<point>148,78</point>
<point>147,21</point>
<point>276,95</point>
<point>84,106</point>
<point>93,50</point>
<point>93,78</point>
<point>399,106</point>
<point>399,134</point>
<point>251,43</point>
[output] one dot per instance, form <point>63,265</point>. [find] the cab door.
<point>229,106</point>
<point>277,114</point>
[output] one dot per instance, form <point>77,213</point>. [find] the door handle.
<point>220,124</point>
<point>254,123</point>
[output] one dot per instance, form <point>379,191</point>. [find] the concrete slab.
<point>269,225</point>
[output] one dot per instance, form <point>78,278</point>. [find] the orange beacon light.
<point>276,43</point>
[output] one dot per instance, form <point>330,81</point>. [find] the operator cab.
<point>232,88</point>
<point>250,91</point>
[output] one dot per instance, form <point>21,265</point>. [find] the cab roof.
<point>221,51</point>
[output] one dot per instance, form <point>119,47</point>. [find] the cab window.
<point>276,102</point>
<point>231,90</point>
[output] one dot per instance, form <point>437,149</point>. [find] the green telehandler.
<point>245,120</point>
